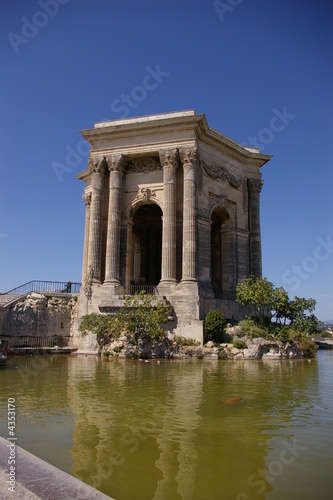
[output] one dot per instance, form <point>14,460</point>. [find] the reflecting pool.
<point>187,429</point>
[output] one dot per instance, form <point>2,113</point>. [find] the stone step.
<point>7,299</point>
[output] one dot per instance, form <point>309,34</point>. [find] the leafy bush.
<point>323,334</point>
<point>282,333</point>
<point>106,354</point>
<point>222,353</point>
<point>250,328</point>
<point>99,324</point>
<point>184,341</point>
<point>214,326</point>
<point>117,349</point>
<point>139,315</point>
<point>240,344</point>
<point>307,346</point>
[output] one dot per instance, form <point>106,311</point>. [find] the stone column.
<point>98,168</point>
<point>115,166</point>
<point>188,158</point>
<point>169,162</point>
<point>254,187</point>
<point>87,201</point>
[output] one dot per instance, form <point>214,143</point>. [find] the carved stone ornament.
<point>188,155</point>
<point>254,186</point>
<point>97,165</point>
<point>116,162</point>
<point>145,194</point>
<point>87,198</point>
<point>219,172</point>
<point>144,164</point>
<point>169,157</point>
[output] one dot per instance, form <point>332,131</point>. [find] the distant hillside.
<point>328,322</point>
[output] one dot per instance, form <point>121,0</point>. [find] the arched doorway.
<point>222,257</point>
<point>147,245</point>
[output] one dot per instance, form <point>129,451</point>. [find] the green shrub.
<point>214,326</point>
<point>321,334</point>
<point>184,341</point>
<point>283,334</point>
<point>250,328</point>
<point>240,344</point>
<point>307,346</point>
<point>117,349</point>
<point>106,354</point>
<point>222,353</point>
<point>140,315</point>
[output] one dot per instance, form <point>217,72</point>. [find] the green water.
<point>165,429</point>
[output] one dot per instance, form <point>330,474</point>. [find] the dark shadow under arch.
<point>221,252</point>
<point>147,245</point>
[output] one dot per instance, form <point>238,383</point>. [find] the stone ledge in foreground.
<point>35,479</point>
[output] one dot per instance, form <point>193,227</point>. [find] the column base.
<point>112,287</point>
<point>167,287</point>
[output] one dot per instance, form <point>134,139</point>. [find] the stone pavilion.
<point>172,207</point>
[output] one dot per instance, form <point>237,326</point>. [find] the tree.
<point>215,325</point>
<point>301,315</point>
<point>258,294</point>
<point>270,303</point>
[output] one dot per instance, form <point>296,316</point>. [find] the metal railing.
<point>148,289</point>
<point>46,286</point>
<point>34,342</point>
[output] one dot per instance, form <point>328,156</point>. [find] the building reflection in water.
<point>169,429</point>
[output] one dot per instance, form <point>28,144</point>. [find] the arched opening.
<point>221,253</point>
<point>147,245</point>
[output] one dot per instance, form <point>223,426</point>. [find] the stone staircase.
<point>9,299</point>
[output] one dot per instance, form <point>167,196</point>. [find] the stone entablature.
<point>172,203</point>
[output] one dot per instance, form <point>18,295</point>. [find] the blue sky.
<point>67,64</point>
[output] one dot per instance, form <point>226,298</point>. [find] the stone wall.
<point>38,315</point>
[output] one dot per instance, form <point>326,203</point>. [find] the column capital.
<point>254,186</point>
<point>116,163</point>
<point>97,165</point>
<point>188,155</point>
<point>169,157</point>
<point>87,198</point>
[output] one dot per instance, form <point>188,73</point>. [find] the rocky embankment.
<point>235,347</point>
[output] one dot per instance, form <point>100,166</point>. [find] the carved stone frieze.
<point>143,164</point>
<point>169,157</point>
<point>220,172</point>
<point>254,186</point>
<point>116,162</point>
